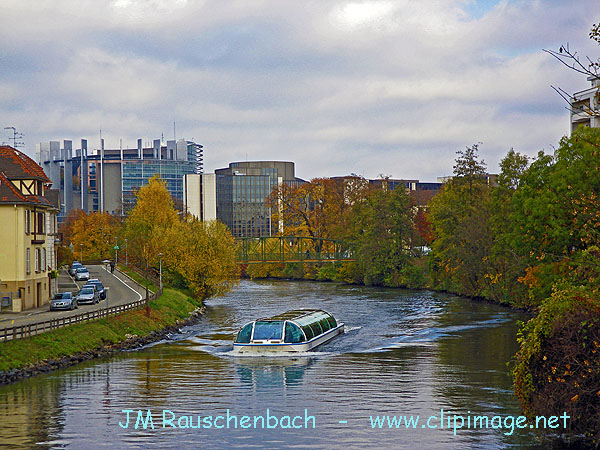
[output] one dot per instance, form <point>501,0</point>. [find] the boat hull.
<point>271,348</point>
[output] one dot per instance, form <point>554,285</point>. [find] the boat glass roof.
<point>296,314</point>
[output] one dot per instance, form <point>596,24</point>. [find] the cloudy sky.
<point>371,87</point>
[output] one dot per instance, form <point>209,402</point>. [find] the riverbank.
<point>68,346</point>
<point>343,273</point>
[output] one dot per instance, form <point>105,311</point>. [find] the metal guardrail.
<point>22,331</point>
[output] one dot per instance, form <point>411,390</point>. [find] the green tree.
<point>460,217</point>
<point>382,233</point>
<point>505,266</point>
<point>552,208</point>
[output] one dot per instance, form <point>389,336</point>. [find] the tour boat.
<point>299,330</point>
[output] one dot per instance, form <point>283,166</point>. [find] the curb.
<point>136,282</point>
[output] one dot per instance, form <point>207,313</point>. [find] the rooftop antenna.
<point>16,135</point>
<point>174,135</point>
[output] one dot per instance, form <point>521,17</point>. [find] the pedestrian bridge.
<point>288,249</point>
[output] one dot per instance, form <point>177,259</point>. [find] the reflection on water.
<point>403,353</point>
<point>261,373</point>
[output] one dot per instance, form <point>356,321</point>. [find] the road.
<point>121,290</point>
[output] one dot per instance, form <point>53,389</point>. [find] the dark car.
<point>99,286</point>
<point>63,300</point>
<point>74,266</point>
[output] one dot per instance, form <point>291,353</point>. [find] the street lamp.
<point>126,251</point>
<point>81,245</point>
<point>160,255</point>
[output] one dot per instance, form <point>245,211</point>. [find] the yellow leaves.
<point>204,254</point>
<point>94,234</point>
<point>575,398</point>
<point>494,278</point>
<point>149,220</point>
<point>530,278</point>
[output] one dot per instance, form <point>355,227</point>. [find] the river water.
<point>404,353</point>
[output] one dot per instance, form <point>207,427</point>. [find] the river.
<point>404,353</point>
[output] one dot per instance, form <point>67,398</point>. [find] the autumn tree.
<point>204,254</point>
<point>149,221</point>
<point>94,234</point>
<point>319,208</point>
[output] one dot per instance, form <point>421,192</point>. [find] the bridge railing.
<point>292,249</point>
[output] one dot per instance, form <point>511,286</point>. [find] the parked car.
<point>95,288</point>
<point>99,286</point>
<point>74,266</point>
<point>63,300</point>
<point>82,274</point>
<point>87,294</point>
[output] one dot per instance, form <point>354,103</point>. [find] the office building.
<point>238,195</point>
<point>107,179</point>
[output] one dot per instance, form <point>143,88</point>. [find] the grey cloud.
<point>339,87</point>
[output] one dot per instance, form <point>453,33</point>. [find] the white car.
<point>82,274</point>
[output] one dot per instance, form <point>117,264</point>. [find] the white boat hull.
<point>270,348</point>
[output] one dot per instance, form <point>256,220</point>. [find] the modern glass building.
<point>136,173</point>
<point>107,179</point>
<point>238,195</point>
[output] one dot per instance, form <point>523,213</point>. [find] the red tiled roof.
<point>15,164</point>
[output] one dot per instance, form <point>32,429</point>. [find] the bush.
<point>558,365</point>
<point>294,271</point>
<point>327,272</point>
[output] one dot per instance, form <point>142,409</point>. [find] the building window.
<point>27,221</point>
<point>28,261</point>
<point>37,259</point>
<point>44,266</point>
<point>40,226</point>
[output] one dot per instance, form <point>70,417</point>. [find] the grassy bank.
<point>138,278</point>
<point>167,310</point>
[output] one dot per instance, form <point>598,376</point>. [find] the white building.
<point>585,106</point>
